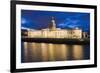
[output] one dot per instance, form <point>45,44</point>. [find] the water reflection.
<point>78,52</point>
<point>41,52</point>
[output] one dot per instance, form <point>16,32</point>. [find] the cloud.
<point>69,23</point>
<point>23,21</point>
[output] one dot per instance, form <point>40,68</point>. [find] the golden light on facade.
<point>73,34</point>
<point>53,32</point>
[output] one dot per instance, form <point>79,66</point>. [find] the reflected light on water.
<point>44,51</point>
<point>41,52</point>
<point>51,52</point>
<point>77,52</point>
<point>64,52</point>
<point>25,50</point>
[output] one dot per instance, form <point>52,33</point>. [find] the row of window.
<point>54,35</point>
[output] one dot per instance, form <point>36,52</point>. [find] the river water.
<point>43,52</point>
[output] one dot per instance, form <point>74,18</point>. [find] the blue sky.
<point>41,19</point>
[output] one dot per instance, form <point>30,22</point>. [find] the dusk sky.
<point>41,19</point>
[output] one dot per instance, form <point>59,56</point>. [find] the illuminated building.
<point>53,32</point>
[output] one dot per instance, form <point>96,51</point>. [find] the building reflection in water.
<point>25,51</point>
<point>45,52</point>
<point>78,52</point>
<point>41,52</point>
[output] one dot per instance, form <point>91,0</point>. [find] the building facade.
<point>53,32</point>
